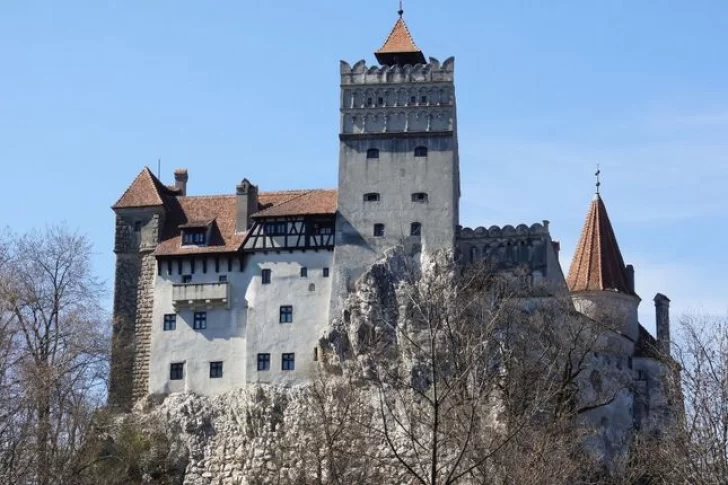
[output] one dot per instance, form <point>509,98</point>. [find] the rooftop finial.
<point>597,174</point>
<point>401,10</point>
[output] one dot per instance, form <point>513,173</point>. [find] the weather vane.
<point>599,183</point>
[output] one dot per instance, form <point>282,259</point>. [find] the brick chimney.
<point>247,205</point>
<point>629,270</point>
<point>662,322</point>
<point>180,180</point>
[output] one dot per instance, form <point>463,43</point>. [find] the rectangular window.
<point>275,228</point>
<point>378,230</point>
<point>186,278</point>
<point>200,321</point>
<point>326,272</point>
<point>222,278</point>
<point>194,237</point>
<point>265,276</point>
<point>315,354</point>
<point>215,370</point>
<point>170,322</point>
<point>263,361</point>
<point>288,361</point>
<point>176,371</point>
<point>323,228</point>
<point>304,272</point>
<point>286,314</point>
<point>415,229</point>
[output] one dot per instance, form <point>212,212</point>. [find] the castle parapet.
<point>432,72</point>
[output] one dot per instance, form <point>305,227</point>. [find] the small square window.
<point>415,229</point>
<point>373,153</point>
<point>326,272</point>
<point>215,370</point>
<point>265,276</point>
<point>200,321</point>
<point>186,278</point>
<point>263,361</point>
<point>304,272</point>
<point>419,197</point>
<point>378,230</point>
<point>286,315</point>
<point>222,278</point>
<point>177,371</point>
<point>288,361</point>
<point>371,197</point>
<point>170,322</point>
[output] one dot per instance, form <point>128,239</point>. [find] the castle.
<point>213,292</point>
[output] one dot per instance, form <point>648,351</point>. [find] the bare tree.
<point>53,344</point>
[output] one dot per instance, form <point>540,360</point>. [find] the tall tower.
<point>399,179</point>
<point>601,286</point>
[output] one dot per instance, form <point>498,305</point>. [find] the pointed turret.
<point>598,263</point>
<point>399,48</point>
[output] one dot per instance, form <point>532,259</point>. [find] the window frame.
<point>420,197</point>
<point>199,321</point>
<point>176,371</point>
<point>223,278</point>
<point>266,275</point>
<point>263,361</point>
<point>304,272</point>
<point>169,322</point>
<point>194,237</point>
<point>325,272</point>
<point>275,228</point>
<point>421,151</point>
<point>373,154</point>
<point>285,314</point>
<point>379,230</point>
<point>372,197</point>
<point>416,229</point>
<point>288,361</point>
<point>216,370</point>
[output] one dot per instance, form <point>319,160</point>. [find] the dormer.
<point>196,233</point>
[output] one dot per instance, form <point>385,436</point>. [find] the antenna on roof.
<point>401,10</point>
<point>159,168</point>
<point>597,174</point>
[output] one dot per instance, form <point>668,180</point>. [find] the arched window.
<point>371,197</point>
<point>421,151</point>
<point>415,229</point>
<point>419,197</point>
<point>373,153</point>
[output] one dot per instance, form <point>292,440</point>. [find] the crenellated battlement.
<point>506,231</point>
<point>432,72</point>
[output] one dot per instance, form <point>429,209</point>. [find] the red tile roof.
<point>598,263</point>
<point>399,40</point>
<point>311,202</point>
<point>145,191</point>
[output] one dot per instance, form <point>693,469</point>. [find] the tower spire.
<point>400,49</point>
<point>599,183</point>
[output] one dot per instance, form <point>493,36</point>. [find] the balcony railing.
<point>201,294</point>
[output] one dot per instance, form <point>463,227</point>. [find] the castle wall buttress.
<point>136,237</point>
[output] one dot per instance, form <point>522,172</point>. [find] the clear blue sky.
<point>92,91</point>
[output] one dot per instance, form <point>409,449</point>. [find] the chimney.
<point>662,322</point>
<point>247,205</point>
<point>557,248</point>
<point>180,180</point>
<point>629,270</point>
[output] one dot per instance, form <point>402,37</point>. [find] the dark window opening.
<point>288,361</point>
<point>170,322</point>
<point>370,101</point>
<point>421,151</point>
<point>371,197</point>
<point>419,197</point>
<point>217,264</point>
<point>263,361</point>
<point>373,153</point>
<point>204,265</point>
<point>222,278</point>
<point>415,229</point>
<point>186,278</point>
<point>192,236</point>
<point>265,276</point>
<point>176,371</point>
<point>286,314</point>
<point>315,354</point>
<point>326,272</point>
<point>322,228</point>
<point>199,321</point>
<point>423,100</point>
<point>179,266</point>
<point>304,272</point>
<point>278,228</point>
<point>413,100</point>
<point>381,101</point>
<point>378,230</point>
<point>169,267</point>
<point>137,226</point>
<point>215,370</point>
<point>192,266</point>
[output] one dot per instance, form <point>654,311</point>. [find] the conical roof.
<point>146,190</point>
<point>598,263</point>
<point>400,47</point>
